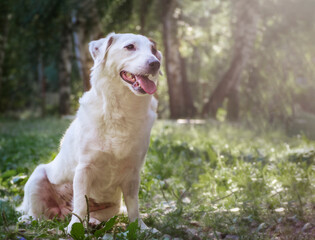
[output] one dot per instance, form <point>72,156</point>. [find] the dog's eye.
<point>130,47</point>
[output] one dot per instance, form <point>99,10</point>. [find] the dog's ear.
<point>99,48</point>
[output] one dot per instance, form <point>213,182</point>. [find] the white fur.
<point>104,148</point>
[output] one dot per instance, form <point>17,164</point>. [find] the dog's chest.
<point>122,138</point>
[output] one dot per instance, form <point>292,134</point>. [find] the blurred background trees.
<point>238,60</point>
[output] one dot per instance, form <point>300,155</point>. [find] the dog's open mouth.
<point>140,83</point>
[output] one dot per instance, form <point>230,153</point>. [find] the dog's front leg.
<point>130,189</point>
<point>81,184</point>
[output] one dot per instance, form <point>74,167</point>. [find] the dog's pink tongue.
<point>147,85</point>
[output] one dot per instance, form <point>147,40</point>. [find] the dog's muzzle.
<point>140,83</point>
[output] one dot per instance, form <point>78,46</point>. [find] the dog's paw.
<point>25,219</point>
<point>145,228</point>
<point>94,222</point>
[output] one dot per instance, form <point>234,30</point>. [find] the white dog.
<point>103,150</point>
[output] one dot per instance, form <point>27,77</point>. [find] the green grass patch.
<point>210,181</point>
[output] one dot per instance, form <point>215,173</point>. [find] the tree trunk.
<point>190,109</point>
<point>174,71</point>
<point>65,73</point>
<point>41,84</point>
<point>244,34</point>
<point>233,105</point>
<point>4,22</point>
<point>227,83</point>
<point>80,53</point>
<point>143,15</point>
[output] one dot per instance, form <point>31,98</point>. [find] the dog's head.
<point>128,59</point>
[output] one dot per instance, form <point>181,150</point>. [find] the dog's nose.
<point>154,65</point>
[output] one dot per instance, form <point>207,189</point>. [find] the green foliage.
<point>108,226</point>
<point>209,180</point>
<point>131,233</point>
<point>77,231</point>
<point>28,136</point>
<point>225,177</point>
<point>8,214</point>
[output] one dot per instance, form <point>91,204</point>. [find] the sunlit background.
<point>238,160</point>
<point>245,60</point>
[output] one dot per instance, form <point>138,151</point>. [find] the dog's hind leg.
<point>44,199</point>
<point>33,204</point>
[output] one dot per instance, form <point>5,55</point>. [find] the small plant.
<point>78,232</point>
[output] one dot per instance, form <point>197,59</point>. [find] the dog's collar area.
<point>140,83</point>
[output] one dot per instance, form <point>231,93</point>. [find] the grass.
<point>210,181</point>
